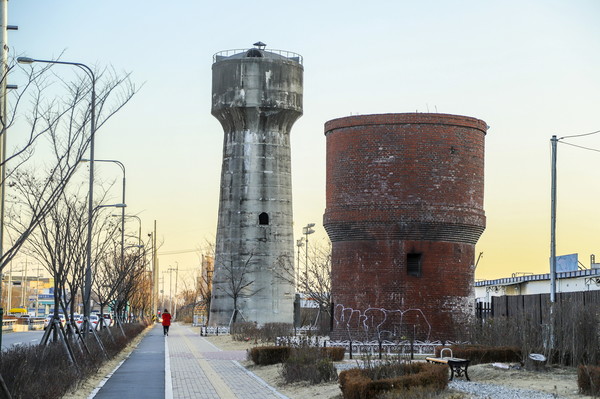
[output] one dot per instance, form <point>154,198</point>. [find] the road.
<point>21,338</point>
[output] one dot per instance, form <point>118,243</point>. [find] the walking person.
<point>166,321</point>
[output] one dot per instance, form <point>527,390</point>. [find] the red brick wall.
<point>399,184</point>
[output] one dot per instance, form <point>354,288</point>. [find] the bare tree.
<point>59,242</point>
<point>189,300</point>
<point>314,279</point>
<point>65,122</point>
<point>233,280</point>
<point>140,298</point>
<point>205,279</point>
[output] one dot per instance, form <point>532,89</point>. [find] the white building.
<point>572,281</point>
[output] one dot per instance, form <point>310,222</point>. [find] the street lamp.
<point>140,225</point>
<point>306,230</point>
<point>87,289</point>
<point>176,269</point>
<point>299,244</point>
<point>88,268</point>
<point>123,201</point>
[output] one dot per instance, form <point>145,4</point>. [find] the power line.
<point>579,146</point>
<point>580,135</point>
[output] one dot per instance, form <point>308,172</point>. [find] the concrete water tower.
<point>257,97</point>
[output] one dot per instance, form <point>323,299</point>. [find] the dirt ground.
<point>561,381</point>
<point>558,380</point>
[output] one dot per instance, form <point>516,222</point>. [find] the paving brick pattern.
<point>199,370</point>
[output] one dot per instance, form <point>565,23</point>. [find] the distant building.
<point>573,281</point>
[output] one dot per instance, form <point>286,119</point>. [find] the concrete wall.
<point>400,184</point>
<point>257,100</point>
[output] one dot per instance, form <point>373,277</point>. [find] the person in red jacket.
<point>166,321</point>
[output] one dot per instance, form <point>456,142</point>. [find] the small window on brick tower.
<point>413,264</point>
<point>263,218</point>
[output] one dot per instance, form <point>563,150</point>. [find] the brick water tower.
<point>257,97</point>
<point>404,210</point>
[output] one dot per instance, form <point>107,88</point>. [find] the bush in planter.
<point>265,355</point>
<point>358,384</point>
<point>308,364</point>
<point>335,354</point>
<point>244,331</point>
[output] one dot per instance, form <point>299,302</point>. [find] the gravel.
<point>490,391</point>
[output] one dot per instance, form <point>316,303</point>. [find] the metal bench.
<point>457,365</point>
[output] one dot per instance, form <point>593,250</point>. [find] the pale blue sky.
<point>530,69</point>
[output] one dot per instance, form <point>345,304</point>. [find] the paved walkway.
<point>183,365</point>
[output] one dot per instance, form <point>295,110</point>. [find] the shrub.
<point>588,380</point>
<point>265,355</point>
<point>308,364</point>
<point>245,331</point>
<point>46,371</point>
<point>478,354</point>
<point>270,331</point>
<point>357,384</point>
<point>335,354</point>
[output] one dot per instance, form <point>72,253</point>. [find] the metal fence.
<point>206,331</point>
<point>535,307</point>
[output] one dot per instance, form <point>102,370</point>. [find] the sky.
<point>529,69</point>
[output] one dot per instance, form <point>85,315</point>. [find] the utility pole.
<point>154,273</point>
<point>554,141</point>
<point>24,286</point>
<point>3,130</point>
<point>170,270</point>
<point>176,279</point>
<point>4,28</point>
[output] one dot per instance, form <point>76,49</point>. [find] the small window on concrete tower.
<point>263,218</point>
<point>413,264</point>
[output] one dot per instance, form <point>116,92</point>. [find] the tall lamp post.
<point>88,269</point>
<point>307,230</point>
<point>176,269</point>
<point>299,244</point>
<point>87,292</point>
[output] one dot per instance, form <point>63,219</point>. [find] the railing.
<point>425,348</point>
<point>206,331</point>
<point>7,325</point>
<point>36,323</point>
<point>388,347</point>
<point>284,53</point>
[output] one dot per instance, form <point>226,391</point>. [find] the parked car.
<point>78,318</point>
<point>49,318</point>
<point>94,321</point>
<point>108,320</point>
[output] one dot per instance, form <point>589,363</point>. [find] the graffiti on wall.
<point>381,323</point>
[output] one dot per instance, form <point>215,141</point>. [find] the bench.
<point>457,365</point>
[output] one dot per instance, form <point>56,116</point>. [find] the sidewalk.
<point>183,365</point>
